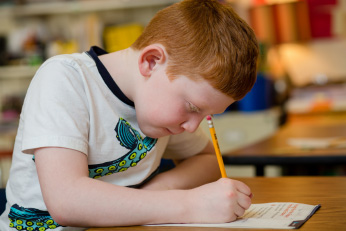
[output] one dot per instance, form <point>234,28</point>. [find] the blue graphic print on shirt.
<point>30,219</point>
<point>130,139</point>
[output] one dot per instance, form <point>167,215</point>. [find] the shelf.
<point>17,72</point>
<point>78,6</point>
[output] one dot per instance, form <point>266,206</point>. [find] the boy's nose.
<point>192,124</point>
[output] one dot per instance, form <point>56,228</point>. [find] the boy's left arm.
<point>188,173</point>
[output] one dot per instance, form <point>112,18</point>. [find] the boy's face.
<point>167,107</point>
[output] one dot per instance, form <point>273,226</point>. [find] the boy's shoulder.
<point>76,60</point>
<point>66,66</point>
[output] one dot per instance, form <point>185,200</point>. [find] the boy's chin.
<point>155,134</point>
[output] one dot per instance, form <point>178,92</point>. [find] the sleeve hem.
<point>30,145</point>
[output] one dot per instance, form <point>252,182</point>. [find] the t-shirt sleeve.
<point>55,111</point>
<point>186,144</point>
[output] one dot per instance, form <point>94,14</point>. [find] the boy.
<point>94,127</point>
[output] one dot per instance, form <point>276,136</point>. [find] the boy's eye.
<point>193,108</point>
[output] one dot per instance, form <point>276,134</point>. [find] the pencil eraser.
<point>208,117</point>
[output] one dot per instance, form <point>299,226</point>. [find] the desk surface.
<point>276,150</point>
<point>330,192</point>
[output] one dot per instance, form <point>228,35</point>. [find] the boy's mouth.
<point>173,132</point>
<point>170,132</point>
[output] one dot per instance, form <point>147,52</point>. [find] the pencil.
<point>216,147</point>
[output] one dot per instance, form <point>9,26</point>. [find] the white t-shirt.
<point>73,102</point>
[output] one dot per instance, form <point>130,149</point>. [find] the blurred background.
<point>302,68</point>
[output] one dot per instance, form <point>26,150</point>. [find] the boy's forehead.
<point>204,95</point>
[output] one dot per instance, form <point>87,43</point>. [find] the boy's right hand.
<point>219,202</point>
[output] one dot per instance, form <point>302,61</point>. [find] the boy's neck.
<point>123,67</point>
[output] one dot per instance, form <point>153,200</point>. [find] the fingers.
<point>244,203</point>
<point>240,194</point>
<point>243,188</point>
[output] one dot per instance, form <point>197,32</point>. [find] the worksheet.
<point>276,215</point>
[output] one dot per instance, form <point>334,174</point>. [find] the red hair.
<point>204,38</point>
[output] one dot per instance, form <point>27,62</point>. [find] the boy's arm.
<point>74,199</point>
<point>189,173</point>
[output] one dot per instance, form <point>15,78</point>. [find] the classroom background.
<point>301,69</point>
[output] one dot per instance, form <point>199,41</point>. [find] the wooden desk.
<point>276,151</point>
<point>330,192</point>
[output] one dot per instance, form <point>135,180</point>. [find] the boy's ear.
<point>149,58</point>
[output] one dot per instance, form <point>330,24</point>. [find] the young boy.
<point>94,127</point>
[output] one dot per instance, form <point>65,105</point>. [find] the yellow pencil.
<point>216,147</point>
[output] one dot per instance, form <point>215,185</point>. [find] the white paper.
<point>276,215</point>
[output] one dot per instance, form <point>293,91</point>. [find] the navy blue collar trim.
<point>94,52</point>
